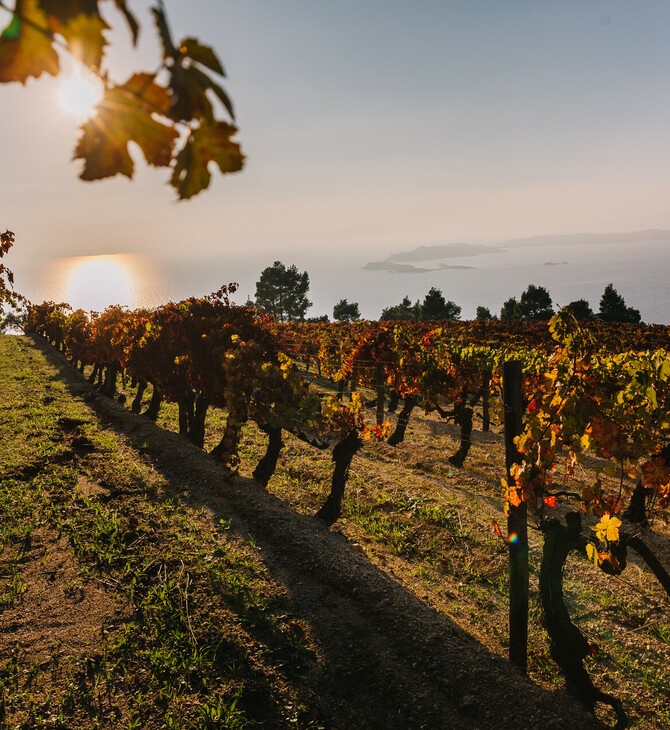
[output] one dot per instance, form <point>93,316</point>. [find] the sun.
<point>96,282</point>
<point>80,93</point>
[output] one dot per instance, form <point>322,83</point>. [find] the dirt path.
<point>377,643</point>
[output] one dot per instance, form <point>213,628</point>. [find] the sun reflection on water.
<point>95,282</point>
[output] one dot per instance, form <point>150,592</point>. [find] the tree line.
<point>282,292</point>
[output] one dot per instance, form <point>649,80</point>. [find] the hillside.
<point>141,589</point>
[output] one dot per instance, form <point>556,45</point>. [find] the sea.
<point>639,271</point>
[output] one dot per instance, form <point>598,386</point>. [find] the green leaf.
<point>204,55</point>
<point>124,117</point>
<point>651,396</point>
<point>208,143</point>
<point>26,45</point>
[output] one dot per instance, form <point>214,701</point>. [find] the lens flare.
<point>513,538</point>
<point>81,93</point>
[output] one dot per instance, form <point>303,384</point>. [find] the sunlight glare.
<point>81,93</point>
<point>95,282</point>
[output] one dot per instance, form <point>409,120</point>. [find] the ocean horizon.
<point>637,270</point>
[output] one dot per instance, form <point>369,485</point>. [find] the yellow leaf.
<point>25,50</point>
<point>608,528</point>
<point>84,37</point>
<point>592,553</point>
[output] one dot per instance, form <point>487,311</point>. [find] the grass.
<point>189,596</point>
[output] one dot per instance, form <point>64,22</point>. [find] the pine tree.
<point>613,307</point>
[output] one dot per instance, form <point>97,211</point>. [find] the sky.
<point>369,126</point>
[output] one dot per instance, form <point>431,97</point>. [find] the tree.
<point>13,322</point>
<point>323,319</point>
<point>483,314</point>
<point>613,307</point>
<point>282,292</point>
<point>435,307</point>
<point>344,311</point>
<point>7,293</point>
<point>168,113</point>
<point>535,303</point>
<point>405,311</point>
<point>580,309</point>
<point>509,310</point>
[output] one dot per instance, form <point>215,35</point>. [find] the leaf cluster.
<point>170,114</point>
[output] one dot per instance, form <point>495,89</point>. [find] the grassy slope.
<point>191,632</point>
<point>188,618</point>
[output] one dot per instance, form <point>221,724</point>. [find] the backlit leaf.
<point>208,143</point>
<point>608,528</point>
<point>169,50</point>
<point>130,19</point>
<point>25,50</point>
<point>204,55</point>
<point>85,40</point>
<point>122,118</point>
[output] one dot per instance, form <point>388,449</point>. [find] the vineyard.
<point>510,479</point>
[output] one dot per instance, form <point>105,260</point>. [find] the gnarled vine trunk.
<point>568,645</point>
<point>398,434</point>
<point>464,420</point>
<point>137,400</point>
<point>196,426</point>
<point>155,405</point>
<point>343,453</point>
<point>267,465</point>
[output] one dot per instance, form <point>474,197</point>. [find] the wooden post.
<point>517,525</point>
<point>379,382</point>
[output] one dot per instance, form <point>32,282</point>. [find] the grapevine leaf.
<point>62,12</point>
<point>144,87</point>
<point>130,19</point>
<point>592,553</point>
<point>25,45</point>
<point>124,117</point>
<point>651,396</point>
<point>208,143</point>
<point>85,40</point>
<point>608,528</point>
<point>189,86</point>
<point>169,50</point>
<point>204,55</point>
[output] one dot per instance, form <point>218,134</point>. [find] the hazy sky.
<point>372,126</point>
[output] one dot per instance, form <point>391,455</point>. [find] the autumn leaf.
<point>84,38</point>
<point>123,117</point>
<point>208,143</point>
<point>592,553</point>
<point>204,55</point>
<point>130,19</point>
<point>25,50</point>
<point>607,529</point>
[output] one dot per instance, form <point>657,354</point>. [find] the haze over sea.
<point>639,271</point>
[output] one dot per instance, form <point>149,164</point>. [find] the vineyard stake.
<point>517,525</point>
